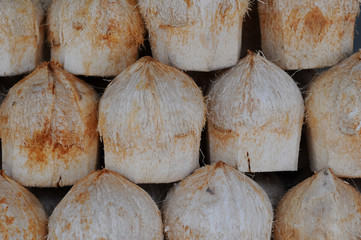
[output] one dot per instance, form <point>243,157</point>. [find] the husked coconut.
<point>21,36</point>
<point>195,35</point>
<point>321,207</point>
<point>217,202</point>
<point>333,106</point>
<point>104,205</point>
<point>255,117</point>
<point>95,38</point>
<point>48,128</point>
<point>303,34</point>
<point>151,118</point>
<point>21,214</point>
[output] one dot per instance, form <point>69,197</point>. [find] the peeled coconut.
<point>95,38</point>
<point>104,205</point>
<point>195,35</point>
<point>151,118</point>
<point>217,202</point>
<point>21,36</point>
<point>301,34</point>
<point>321,207</point>
<point>255,116</point>
<point>48,128</point>
<point>21,214</point>
<point>333,105</point>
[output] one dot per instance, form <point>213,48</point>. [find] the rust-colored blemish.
<point>43,144</point>
<point>68,226</point>
<point>9,220</point>
<point>85,223</point>
<point>189,3</point>
<point>82,198</point>
<point>2,200</point>
<point>315,24</point>
<point>77,26</point>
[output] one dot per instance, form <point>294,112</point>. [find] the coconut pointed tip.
<point>219,164</point>
<point>51,65</point>
<point>147,59</point>
<point>250,53</point>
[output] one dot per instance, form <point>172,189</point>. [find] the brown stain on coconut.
<point>42,149</point>
<point>315,24</point>
<point>189,3</point>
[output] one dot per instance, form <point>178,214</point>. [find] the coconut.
<point>48,129</point>
<point>104,205</point>
<point>95,38</point>
<point>195,35</point>
<point>333,106</point>
<point>255,116</point>
<point>21,214</point>
<point>217,202</point>
<point>21,36</point>
<point>301,34</point>
<point>321,207</point>
<point>151,118</point>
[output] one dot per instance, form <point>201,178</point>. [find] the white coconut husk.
<point>21,36</point>
<point>21,214</point>
<point>95,38</point>
<point>302,34</point>
<point>333,106</point>
<point>151,118</point>
<point>255,117</point>
<point>48,128</point>
<point>217,202</point>
<point>104,205</point>
<point>195,35</point>
<point>321,207</point>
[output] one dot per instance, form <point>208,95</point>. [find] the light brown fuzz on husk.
<point>104,205</point>
<point>92,37</point>
<point>304,34</point>
<point>255,117</point>
<point>217,202</point>
<point>48,128</point>
<point>333,105</point>
<point>151,118</point>
<point>195,35</point>
<point>322,207</point>
<point>21,214</point>
<point>21,36</point>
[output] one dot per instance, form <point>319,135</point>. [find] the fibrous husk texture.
<point>333,105</point>
<point>197,35</point>
<point>303,34</point>
<point>217,202</point>
<point>255,116</point>
<point>321,207</point>
<point>104,205</point>
<point>21,36</point>
<point>150,118</point>
<point>93,37</point>
<point>21,214</point>
<point>48,128</point>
